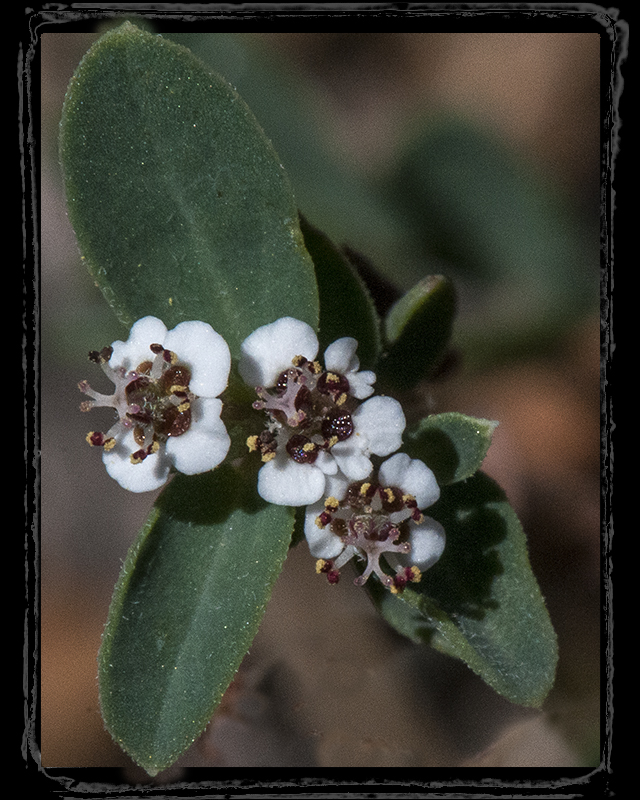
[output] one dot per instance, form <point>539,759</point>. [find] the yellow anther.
<point>320,565</point>
<point>298,360</point>
<point>331,504</point>
<point>109,444</point>
<point>333,440</point>
<point>342,399</point>
<point>316,367</point>
<point>178,388</point>
<point>268,456</point>
<point>332,377</point>
<point>88,438</point>
<point>390,495</point>
<point>135,459</point>
<point>184,406</point>
<point>408,498</point>
<point>155,446</point>
<point>319,522</point>
<point>252,443</point>
<point>365,488</point>
<point>416,575</point>
<point>308,447</point>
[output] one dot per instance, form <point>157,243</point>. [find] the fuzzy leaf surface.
<point>185,609</point>
<point>417,330</point>
<point>178,200</point>
<point>481,602</point>
<point>453,445</point>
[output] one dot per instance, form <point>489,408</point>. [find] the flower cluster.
<point>379,516</point>
<point>322,429</point>
<point>316,425</point>
<point>166,397</point>
<point>322,426</point>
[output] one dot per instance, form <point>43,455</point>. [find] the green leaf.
<point>346,307</point>
<point>179,202</point>
<point>451,444</point>
<point>481,602</point>
<point>417,330</point>
<point>186,607</point>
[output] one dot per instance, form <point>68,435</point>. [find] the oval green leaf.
<point>481,602</point>
<point>185,609</point>
<point>178,200</point>
<point>451,444</point>
<point>417,330</point>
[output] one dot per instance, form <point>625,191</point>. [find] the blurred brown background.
<point>327,683</point>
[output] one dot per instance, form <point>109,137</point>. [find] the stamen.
<point>328,568</point>
<point>95,438</point>
<point>138,457</point>
<point>101,356</point>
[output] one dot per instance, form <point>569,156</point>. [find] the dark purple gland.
<point>391,499</point>
<point>338,424</point>
<point>173,421</point>
<point>339,527</point>
<point>360,494</point>
<point>144,368</point>
<point>301,449</point>
<point>332,383</point>
<point>177,375</point>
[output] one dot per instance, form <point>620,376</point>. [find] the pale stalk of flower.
<point>166,397</point>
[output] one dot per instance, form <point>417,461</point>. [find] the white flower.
<point>341,357</point>
<point>166,396</point>
<point>315,423</point>
<point>380,516</point>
